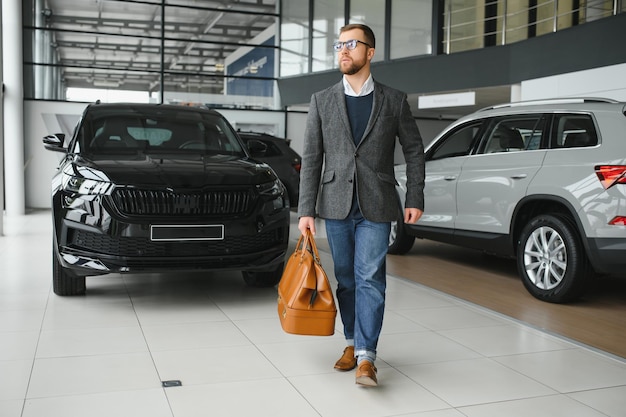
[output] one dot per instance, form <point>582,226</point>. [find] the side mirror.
<point>256,147</point>
<point>54,142</point>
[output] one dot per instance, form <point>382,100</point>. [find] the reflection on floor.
<point>107,353</point>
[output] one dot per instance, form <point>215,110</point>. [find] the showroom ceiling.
<point>116,44</point>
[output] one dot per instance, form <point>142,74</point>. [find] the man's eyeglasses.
<point>350,45</point>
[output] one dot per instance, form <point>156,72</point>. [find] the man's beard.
<point>353,68</point>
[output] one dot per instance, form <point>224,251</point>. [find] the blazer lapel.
<point>342,110</point>
<point>377,105</point>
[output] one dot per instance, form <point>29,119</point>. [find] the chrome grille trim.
<point>133,202</point>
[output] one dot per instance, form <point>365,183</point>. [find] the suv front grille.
<point>144,247</point>
<point>132,202</point>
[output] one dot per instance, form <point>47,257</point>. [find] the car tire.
<point>65,282</point>
<point>400,242</point>
<point>551,259</point>
<point>263,279</point>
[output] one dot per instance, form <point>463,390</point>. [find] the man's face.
<point>351,62</point>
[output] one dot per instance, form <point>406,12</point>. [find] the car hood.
<point>173,171</point>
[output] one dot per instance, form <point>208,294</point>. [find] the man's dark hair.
<point>367,31</point>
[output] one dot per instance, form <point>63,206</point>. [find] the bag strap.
<point>313,247</point>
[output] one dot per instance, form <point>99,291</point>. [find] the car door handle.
<point>519,176</point>
<point>450,178</point>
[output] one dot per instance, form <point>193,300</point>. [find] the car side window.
<point>574,131</point>
<point>272,149</point>
<point>516,133</point>
<point>458,142</point>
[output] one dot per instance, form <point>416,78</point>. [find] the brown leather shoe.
<point>366,374</point>
<point>347,362</point>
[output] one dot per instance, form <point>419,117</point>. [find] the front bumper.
<point>114,246</point>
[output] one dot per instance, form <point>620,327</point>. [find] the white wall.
<point>605,82</point>
<point>41,119</point>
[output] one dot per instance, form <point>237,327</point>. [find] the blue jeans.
<point>359,250</point>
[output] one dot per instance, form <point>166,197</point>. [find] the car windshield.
<point>178,132</point>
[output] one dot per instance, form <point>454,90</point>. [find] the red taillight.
<point>609,175</point>
<point>296,167</point>
<point>618,221</point>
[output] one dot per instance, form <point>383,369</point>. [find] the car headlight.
<point>275,191</point>
<point>86,186</point>
<point>271,189</point>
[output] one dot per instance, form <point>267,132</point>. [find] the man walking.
<point>347,174</point>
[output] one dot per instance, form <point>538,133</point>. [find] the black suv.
<point>149,187</point>
<point>281,157</point>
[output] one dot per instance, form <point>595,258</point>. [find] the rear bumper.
<point>608,255</point>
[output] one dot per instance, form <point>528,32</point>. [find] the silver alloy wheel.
<point>545,258</point>
<point>393,233</point>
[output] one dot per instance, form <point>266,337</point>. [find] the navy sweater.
<point>359,110</point>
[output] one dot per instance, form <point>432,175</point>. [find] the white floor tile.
<point>81,315</point>
<point>18,345</point>
<point>137,403</point>
<point>21,320</point>
<point>569,370</point>
<point>610,401</point>
<point>86,342</point>
<point>550,406</point>
<point>271,397</point>
<point>505,340</point>
<point>474,381</point>
<point>264,331</point>
<point>256,308</point>
<point>194,336</point>
<point>178,312</point>
<point>421,347</point>
<point>450,412</point>
<point>337,395</point>
<point>214,366</point>
<point>304,356</point>
<point>447,318</point>
<point>22,301</point>
<point>53,377</point>
<point>396,323</point>
<point>11,408</point>
<point>403,298</point>
<point>14,379</point>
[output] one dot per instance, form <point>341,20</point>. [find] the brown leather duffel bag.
<point>306,305</point>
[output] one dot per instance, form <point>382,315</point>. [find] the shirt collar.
<point>368,87</point>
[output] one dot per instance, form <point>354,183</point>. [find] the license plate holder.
<point>177,232</point>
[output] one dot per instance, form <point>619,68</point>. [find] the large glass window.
<point>294,38</point>
<point>328,18</point>
<point>411,28</point>
<point>195,52</point>
<point>372,14</point>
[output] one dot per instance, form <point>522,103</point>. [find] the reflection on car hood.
<point>174,171</point>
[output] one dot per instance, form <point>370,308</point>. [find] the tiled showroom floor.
<point>105,354</point>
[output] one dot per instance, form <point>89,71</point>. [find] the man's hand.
<point>305,223</point>
<point>412,215</point>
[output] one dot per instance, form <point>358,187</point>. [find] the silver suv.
<point>543,182</point>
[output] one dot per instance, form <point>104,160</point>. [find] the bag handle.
<point>307,242</point>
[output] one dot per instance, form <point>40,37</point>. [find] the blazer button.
<point>356,155</point>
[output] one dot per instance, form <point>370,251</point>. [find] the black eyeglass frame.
<point>350,44</point>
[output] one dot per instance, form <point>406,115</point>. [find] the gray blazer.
<point>331,163</point>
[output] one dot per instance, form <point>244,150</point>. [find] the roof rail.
<point>562,100</point>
